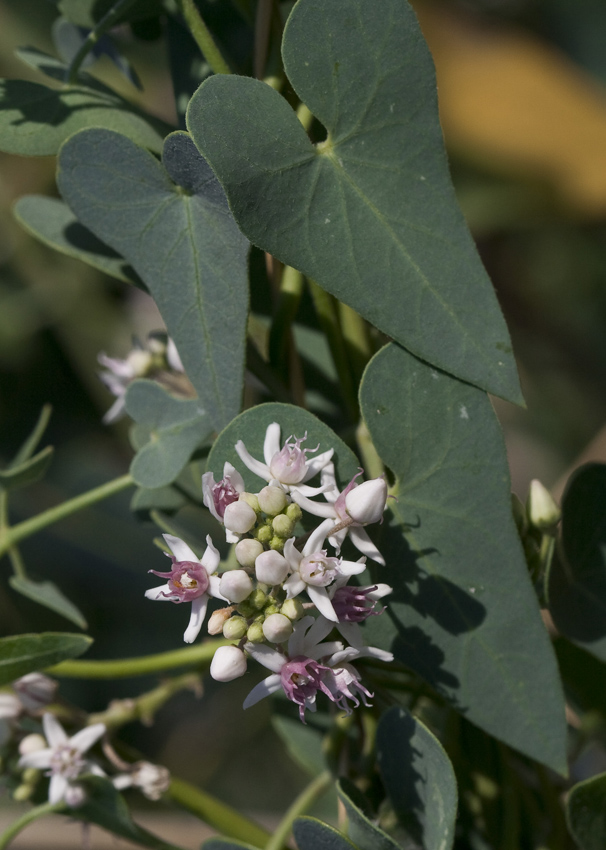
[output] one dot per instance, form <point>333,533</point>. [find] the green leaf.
<point>51,221</point>
<point>226,844</point>
<point>26,473</point>
<point>361,829</point>
<point>418,778</point>
<point>172,224</point>
<point>107,808</point>
<point>48,594</point>
<point>26,653</point>
<point>302,742</point>
<point>178,428</point>
<point>35,120</point>
<point>312,834</point>
<point>583,676</point>
<point>586,813</point>
<point>370,213</point>
<point>576,581</point>
<point>31,443</point>
<point>463,613</point>
<point>250,427</point>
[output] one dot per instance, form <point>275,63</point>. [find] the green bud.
<point>247,551</point>
<point>283,526</point>
<point>271,609</point>
<point>272,500</point>
<point>255,633</point>
<point>543,512</point>
<point>24,792</point>
<point>251,500</point>
<point>277,543</point>
<point>246,609</point>
<point>235,628</point>
<point>31,775</point>
<point>293,609</point>
<point>257,599</point>
<point>294,512</point>
<point>264,533</point>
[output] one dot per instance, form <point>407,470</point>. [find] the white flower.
<point>228,663</point>
<point>349,510</point>
<point>191,579</point>
<point>63,759</point>
<point>353,605</point>
<point>314,571</point>
<point>287,466</point>
<point>217,496</point>
<point>151,779</point>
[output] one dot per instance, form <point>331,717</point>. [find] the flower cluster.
<point>289,593</point>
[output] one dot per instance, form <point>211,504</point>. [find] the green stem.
<point>372,463</point>
<point>217,814</point>
<point>17,563</point>
<point>104,25</point>
<point>203,37</point>
<point>38,812</point>
<point>145,706</point>
<point>355,334</point>
<point>291,290</point>
<point>298,807</point>
<point>200,654</point>
<point>10,536</point>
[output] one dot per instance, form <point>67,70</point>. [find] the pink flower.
<point>217,496</point>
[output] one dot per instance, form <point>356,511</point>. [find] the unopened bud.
<point>255,633</point>
<point>274,608</point>
<point>140,362</point>
<point>228,663</point>
<point>277,628</point>
<point>543,512</point>
<point>271,568</point>
<point>31,776</point>
<point>272,500</point>
<point>258,599</point>
<point>217,619</point>
<point>247,551</point>
<point>277,543</point>
<point>239,517</point>
<point>235,628</point>
<point>294,512</point>
<point>293,609</point>
<point>366,502</point>
<point>264,534</point>
<point>22,793</point>
<point>74,796</point>
<point>31,744</point>
<point>235,585</point>
<point>283,526</point>
<point>252,500</point>
<point>35,691</point>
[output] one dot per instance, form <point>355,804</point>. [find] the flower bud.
<point>31,744</point>
<point>217,620</point>
<point>293,609</point>
<point>543,512</point>
<point>22,793</point>
<point>264,534</point>
<point>272,500</point>
<point>366,502</point>
<point>239,517</point>
<point>152,779</point>
<point>235,585</point>
<point>255,633</point>
<point>258,599</point>
<point>252,500</point>
<point>247,551</point>
<point>31,776</point>
<point>228,663</point>
<point>140,361</point>
<point>35,691</point>
<point>10,706</point>
<point>271,609</point>
<point>235,628</point>
<point>277,543</point>
<point>294,512</point>
<point>271,568</point>
<point>283,526</point>
<point>277,628</point>
<point>74,796</point>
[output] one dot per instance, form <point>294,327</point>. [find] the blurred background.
<point>523,107</point>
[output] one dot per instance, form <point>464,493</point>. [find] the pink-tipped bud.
<point>366,502</point>
<point>235,585</point>
<point>271,568</point>
<point>239,517</point>
<point>277,628</point>
<point>228,663</point>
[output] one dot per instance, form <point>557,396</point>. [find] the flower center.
<point>67,761</point>
<point>318,570</point>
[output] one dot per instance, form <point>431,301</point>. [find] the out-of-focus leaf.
<point>172,223</point>
<point>586,813</point>
<point>463,614</point>
<point>48,594</point>
<point>87,13</point>
<point>583,676</point>
<point>312,834</point>
<point>107,808</point>
<point>226,844</point>
<point>188,66</point>
<point>303,743</point>
<point>360,828</point>
<point>26,473</point>
<point>51,221</point>
<point>576,581</point>
<point>31,443</point>
<point>26,653</point>
<point>178,428</point>
<point>370,213</point>
<point>418,778</point>
<point>69,38</point>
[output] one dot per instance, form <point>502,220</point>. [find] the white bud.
<point>366,503</point>
<point>272,500</point>
<point>217,620</point>
<point>271,568</point>
<point>31,744</point>
<point>235,585</point>
<point>228,663</point>
<point>35,690</point>
<point>247,551</point>
<point>239,517</point>
<point>139,361</point>
<point>293,609</point>
<point>152,779</point>
<point>10,706</point>
<point>277,628</point>
<point>543,512</point>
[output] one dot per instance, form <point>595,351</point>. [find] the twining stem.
<point>222,817</point>
<point>203,37</point>
<point>298,807</point>
<point>105,24</point>
<point>145,706</point>
<point>201,654</point>
<point>280,336</point>
<point>355,335</point>
<point>10,536</point>
<point>38,812</point>
<point>372,463</point>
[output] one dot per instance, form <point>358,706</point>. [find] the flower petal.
<point>41,759</point>
<point>322,650</point>
<point>352,634</point>
<point>315,464</point>
<point>318,631</point>
<point>53,730</point>
<point>271,444</point>
<point>85,738</point>
<point>294,585</point>
<point>325,509</point>
<point>198,612</point>
<point>235,479</point>
<point>264,689</point>
<point>156,594</point>
<point>364,544</point>
<point>296,642</point>
<point>260,469</point>
<point>211,557</point>
<point>351,568</point>
<point>292,554</point>
<point>319,597</point>
<point>57,788</point>
<point>180,549</point>
<point>317,537</point>
<point>214,588</point>
<point>265,655</point>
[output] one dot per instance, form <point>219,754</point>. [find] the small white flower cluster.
<point>265,614</point>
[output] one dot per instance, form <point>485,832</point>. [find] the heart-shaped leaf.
<point>361,828</point>
<point>586,813</point>
<point>312,834</point>
<point>370,213</point>
<point>48,594</point>
<point>576,581</point>
<point>26,653</point>
<point>463,613</point>
<point>172,224</point>
<point>418,778</point>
